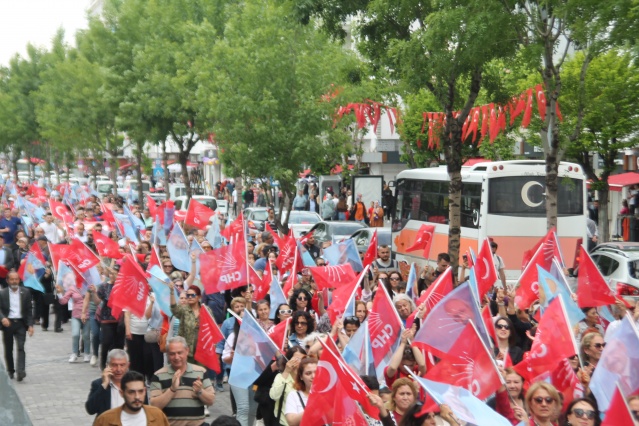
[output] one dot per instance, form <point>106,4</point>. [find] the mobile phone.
<point>465,257</point>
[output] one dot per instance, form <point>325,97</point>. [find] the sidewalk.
<point>54,391</point>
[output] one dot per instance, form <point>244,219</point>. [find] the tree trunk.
<point>454,163</point>
<point>604,200</point>
<point>138,169</point>
<point>165,158</point>
<point>14,163</point>
<point>183,157</point>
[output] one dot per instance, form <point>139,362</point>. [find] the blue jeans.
<point>246,405</point>
<point>95,333</point>
<point>76,326</point>
<point>341,216</point>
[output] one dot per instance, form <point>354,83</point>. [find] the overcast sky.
<point>36,22</point>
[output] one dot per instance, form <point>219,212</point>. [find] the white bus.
<point>503,200</point>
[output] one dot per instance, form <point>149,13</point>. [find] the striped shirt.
<point>184,409</point>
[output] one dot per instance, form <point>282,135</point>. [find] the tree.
<point>18,125</point>
<point>548,31</point>
<point>611,118</point>
<point>441,47</point>
<point>262,86</point>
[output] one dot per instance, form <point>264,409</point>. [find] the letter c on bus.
<point>524,193</point>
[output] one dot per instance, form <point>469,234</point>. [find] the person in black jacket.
<point>102,389</point>
<point>16,318</point>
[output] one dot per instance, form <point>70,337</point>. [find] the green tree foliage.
<point>263,86</point>
<point>610,116</point>
<point>18,83</point>
<point>438,46</point>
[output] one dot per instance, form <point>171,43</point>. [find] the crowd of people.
<point>149,370</point>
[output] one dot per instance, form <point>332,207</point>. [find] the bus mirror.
<point>391,184</point>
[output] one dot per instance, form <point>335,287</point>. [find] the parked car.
<point>301,221</point>
<point>619,263</point>
<point>132,185</point>
<point>105,187</point>
<point>255,218</point>
<point>222,207</point>
<point>362,237</point>
<point>334,230</point>
<point>207,200</point>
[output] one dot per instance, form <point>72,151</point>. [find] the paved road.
<point>54,391</point>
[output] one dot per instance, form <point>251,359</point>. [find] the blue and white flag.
<point>158,236</point>
<point>358,352</point>
<point>135,221</point>
<point>213,236</point>
<point>552,288</point>
<point>159,282</point>
<point>178,248</point>
<point>254,351</point>
<point>463,403</point>
<point>344,252</point>
<point>130,231</point>
<point>277,297</point>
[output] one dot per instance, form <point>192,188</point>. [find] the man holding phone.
<point>105,392</point>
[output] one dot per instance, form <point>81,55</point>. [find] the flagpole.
<point>381,284</point>
<point>572,337</point>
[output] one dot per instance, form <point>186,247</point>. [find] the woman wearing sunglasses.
<point>303,324</point>
<point>506,342</point>
<point>581,412</point>
<point>301,301</point>
<point>592,346</point>
<point>542,399</point>
<point>283,313</point>
<point>189,316</point>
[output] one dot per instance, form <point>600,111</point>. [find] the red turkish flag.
<point>554,340</point>
<point>592,289</point>
<point>152,206</point>
<point>106,246</point>
<point>179,216</point>
<point>528,289</point>
<point>155,259</point>
<point>618,411</point>
<point>541,101</point>
<point>198,214</point>
<point>487,317</point>
<point>279,334</point>
<point>468,364</point>
<point>342,296</point>
<point>485,271</point>
<point>208,336</point>
<point>235,227</point>
<point>288,253</point>
<point>371,253</point>
<point>384,325</point>
<point>291,280</point>
<point>107,213</point>
<point>424,239</point>
<point>525,121</point>
<point>333,373</point>
<point>60,211</point>
<point>224,268</point>
<point>130,289</point>
<point>333,276</point>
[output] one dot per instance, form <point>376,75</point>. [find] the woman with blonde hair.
<point>403,395</point>
<point>544,403</point>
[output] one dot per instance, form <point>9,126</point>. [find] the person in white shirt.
<point>499,264</point>
<point>52,230</point>
<point>80,233</point>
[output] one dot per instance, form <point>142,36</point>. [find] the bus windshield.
<point>427,201</point>
<point>524,196</point>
